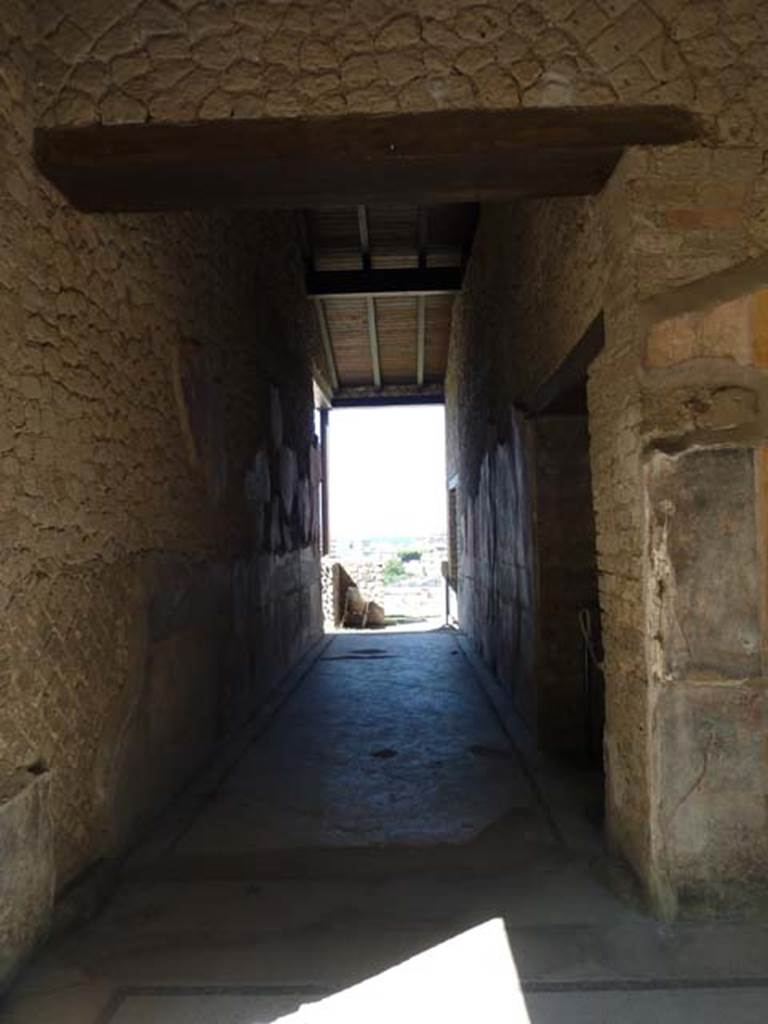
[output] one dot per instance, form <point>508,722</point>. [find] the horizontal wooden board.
<point>442,156</point>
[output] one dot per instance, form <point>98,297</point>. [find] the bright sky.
<point>387,471</point>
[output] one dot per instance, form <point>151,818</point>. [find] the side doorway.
<point>569,678</point>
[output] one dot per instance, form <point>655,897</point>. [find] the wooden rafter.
<point>377,321</point>
<point>373,337</point>
<point>339,284</point>
<point>373,332</point>
<point>327,345</point>
<point>421,333</point>
<point>421,302</point>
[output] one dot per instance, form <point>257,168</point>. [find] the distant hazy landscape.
<point>408,572</point>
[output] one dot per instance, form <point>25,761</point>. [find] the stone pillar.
<point>678,420</point>
<point>705,427</point>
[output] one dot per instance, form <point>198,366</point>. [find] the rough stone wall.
<point>180,60</point>
<point>540,273</point>
<point>367,576</point>
<point>497,573</point>
<point>705,431</point>
<point>678,279</point>
<point>614,393</point>
<point>670,220</point>
<point>150,590</point>
<point>685,232</point>
<point>536,270</point>
<point>533,285</point>
<point>674,222</point>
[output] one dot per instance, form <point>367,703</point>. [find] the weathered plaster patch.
<point>703,528</point>
<point>27,877</point>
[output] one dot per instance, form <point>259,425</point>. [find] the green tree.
<point>409,556</point>
<point>393,571</point>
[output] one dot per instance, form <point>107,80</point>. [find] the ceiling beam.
<point>327,345</point>
<point>421,315</point>
<point>439,156</point>
<point>373,333</point>
<point>389,394</point>
<point>361,283</point>
<point>373,337</point>
<point>421,302</point>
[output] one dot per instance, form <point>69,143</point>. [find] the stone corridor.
<point>381,812</point>
<point>223,220</point>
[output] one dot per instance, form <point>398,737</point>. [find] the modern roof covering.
<point>383,278</point>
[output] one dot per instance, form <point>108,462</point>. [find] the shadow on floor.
<point>383,815</point>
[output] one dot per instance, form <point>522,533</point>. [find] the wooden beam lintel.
<point>441,156</point>
<point>389,394</point>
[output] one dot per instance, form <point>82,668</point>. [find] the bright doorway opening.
<point>388,544</point>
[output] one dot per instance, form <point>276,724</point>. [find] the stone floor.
<point>382,852</point>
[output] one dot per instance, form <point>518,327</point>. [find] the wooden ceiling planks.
<point>399,237</point>
<point>396,319</point>
<point>348,328</point>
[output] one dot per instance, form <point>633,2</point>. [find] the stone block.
<point>400,32</point>
<point>702,217</point>
<point>705,576</point>
<point>621,41</point>
<point>27,876</point>
<point>713,795</point>
<point>724,332</point>
<point>760,327</point>
<point>587,22</point>
<point>481,24</point>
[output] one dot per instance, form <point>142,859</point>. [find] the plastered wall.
<point>679,283</point>
<point>534,284</point>
<point>151,590</point>
<point>138,521</point>
<point>172,60</point>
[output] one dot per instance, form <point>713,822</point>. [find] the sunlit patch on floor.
<point>471,977</point>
